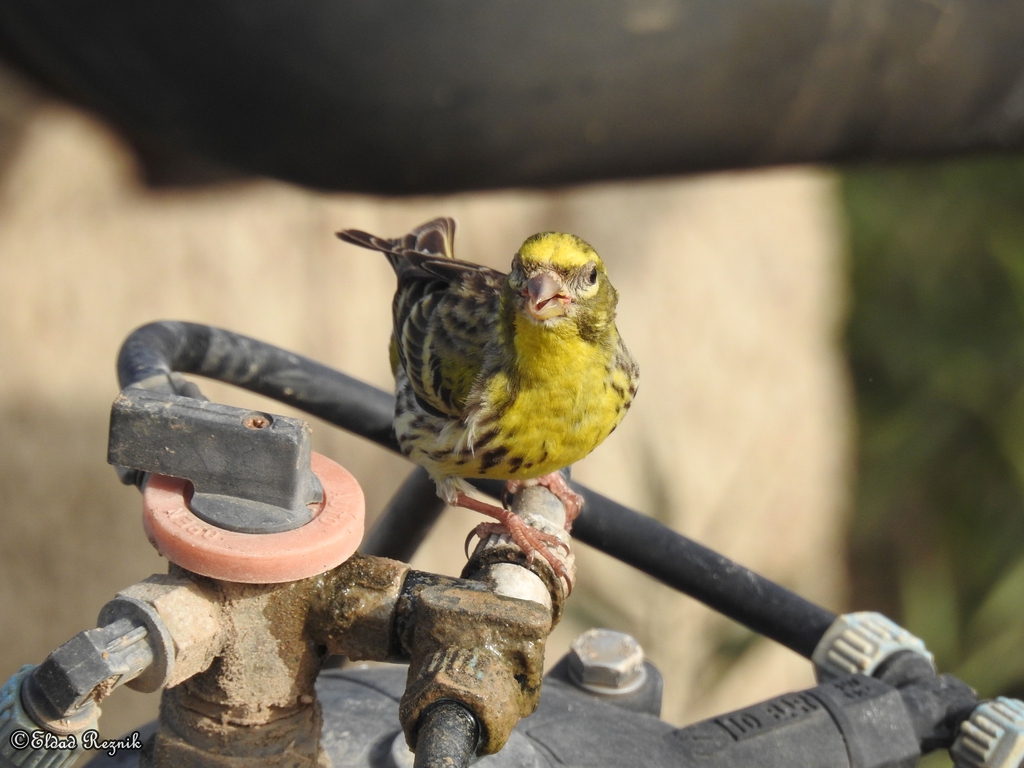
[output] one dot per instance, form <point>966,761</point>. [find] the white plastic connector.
<point>992,737</point>
<point>857,643</point>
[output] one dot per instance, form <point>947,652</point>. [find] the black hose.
<point>731,589</point>
<point>737,592</point>
<point>447,736</point>
<point>161,349</point>
<point>406,520</point>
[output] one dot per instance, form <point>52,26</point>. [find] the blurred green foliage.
<point>936,344</point>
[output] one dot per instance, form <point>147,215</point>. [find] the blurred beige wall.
<point>731,294</point>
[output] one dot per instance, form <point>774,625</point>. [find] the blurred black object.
<point>416,96</point>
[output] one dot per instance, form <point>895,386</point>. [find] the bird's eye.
<point>592,274</point>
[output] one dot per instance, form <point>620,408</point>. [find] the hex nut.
<point>184,624</point>
<point>606,661</point>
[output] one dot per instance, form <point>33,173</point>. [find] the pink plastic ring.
<point>328,540</point>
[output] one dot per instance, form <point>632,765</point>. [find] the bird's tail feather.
<point>433,238</point>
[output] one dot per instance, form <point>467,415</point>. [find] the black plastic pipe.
<point>158,350</point>
<point>154,352</point>
<point>427,96</point>
<point>447,736</point>
<point>406,520</point>
<point>737,592</point>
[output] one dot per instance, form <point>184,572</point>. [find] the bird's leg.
<point>526,537</point>
<point>554,482</point>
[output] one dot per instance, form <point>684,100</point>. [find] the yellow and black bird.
<point>503,376</point>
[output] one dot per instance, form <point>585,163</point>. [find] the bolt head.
<point>604,658</point>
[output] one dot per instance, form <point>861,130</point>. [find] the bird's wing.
<point>434,238</point>
<point>445,312</point>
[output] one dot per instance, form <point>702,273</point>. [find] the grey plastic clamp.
<point>858,643</point>
<point>992,737</point>
<point>23,742</point>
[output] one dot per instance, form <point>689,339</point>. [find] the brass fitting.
<point>483,650</point>
<point>480,641</point>
<point>183,621</point>
<point>255,702</point>
<point>353,609</point>
<point>462,641</point>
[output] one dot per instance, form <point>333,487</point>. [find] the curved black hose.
<point>158,350</point>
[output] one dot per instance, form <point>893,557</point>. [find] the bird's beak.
<point>545,297</point>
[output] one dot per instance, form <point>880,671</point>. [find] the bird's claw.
<point>557,484</point>
<point>530,540</point>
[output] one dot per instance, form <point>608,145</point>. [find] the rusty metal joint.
<point>483,650</point>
